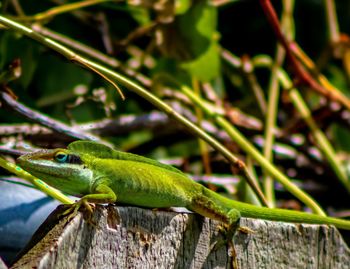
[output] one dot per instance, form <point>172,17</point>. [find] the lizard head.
<point>63,169</point>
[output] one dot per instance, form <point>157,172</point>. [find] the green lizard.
<point>100,174</point>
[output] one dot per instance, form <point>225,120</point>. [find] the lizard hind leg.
<point>233,216</point>
<point>212,209</point>
<point>207,207</point>
<point>215,210</point>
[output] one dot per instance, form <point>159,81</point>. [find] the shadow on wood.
<point>131,237</point>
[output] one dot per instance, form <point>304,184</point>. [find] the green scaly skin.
<point>100,174</point>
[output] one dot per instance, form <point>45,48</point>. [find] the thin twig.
<point>302,75</point>
<point>52,12</point>
<point>11,152</point>
<point>273,94</point>
<point>332,22</point>
<point>248,70</point>
<point>46,121</point>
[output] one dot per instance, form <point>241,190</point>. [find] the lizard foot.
<point>228,232</point>
<point>231,248</point>
<point>84,206</point>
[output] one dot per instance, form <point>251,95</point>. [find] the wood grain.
<point>131,237</point>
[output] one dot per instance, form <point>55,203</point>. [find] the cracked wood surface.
<point>131,237</point>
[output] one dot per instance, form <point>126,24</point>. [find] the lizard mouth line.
<point>42,170</point>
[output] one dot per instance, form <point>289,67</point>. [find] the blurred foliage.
<point>185,42</point>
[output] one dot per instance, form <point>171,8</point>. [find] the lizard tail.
<point>274,214</point>
<point>286,215</point>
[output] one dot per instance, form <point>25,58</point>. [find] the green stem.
<point>61,9</point>
<point>321,139</point>
<point>274,92</point>
<point>203,147</point>
<point>249,195</point>
<point>270,123</point>
<point>332,22</point>
<point>39,184</point>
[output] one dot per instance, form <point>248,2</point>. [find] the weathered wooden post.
<point>131,237</point>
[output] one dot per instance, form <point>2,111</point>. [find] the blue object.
<point>22,210</point>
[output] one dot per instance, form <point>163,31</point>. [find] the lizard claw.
<point>245,230</point>
<point>88,208</point>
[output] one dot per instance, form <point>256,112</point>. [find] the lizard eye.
<point>61,157</point>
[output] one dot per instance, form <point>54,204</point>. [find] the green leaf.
<point>14,46</point>
<point>139,14</point>
<point>198,28</point>
<point>181,6</point>
<point>207,66</point>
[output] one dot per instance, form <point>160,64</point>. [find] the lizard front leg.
<point>102,194</point>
